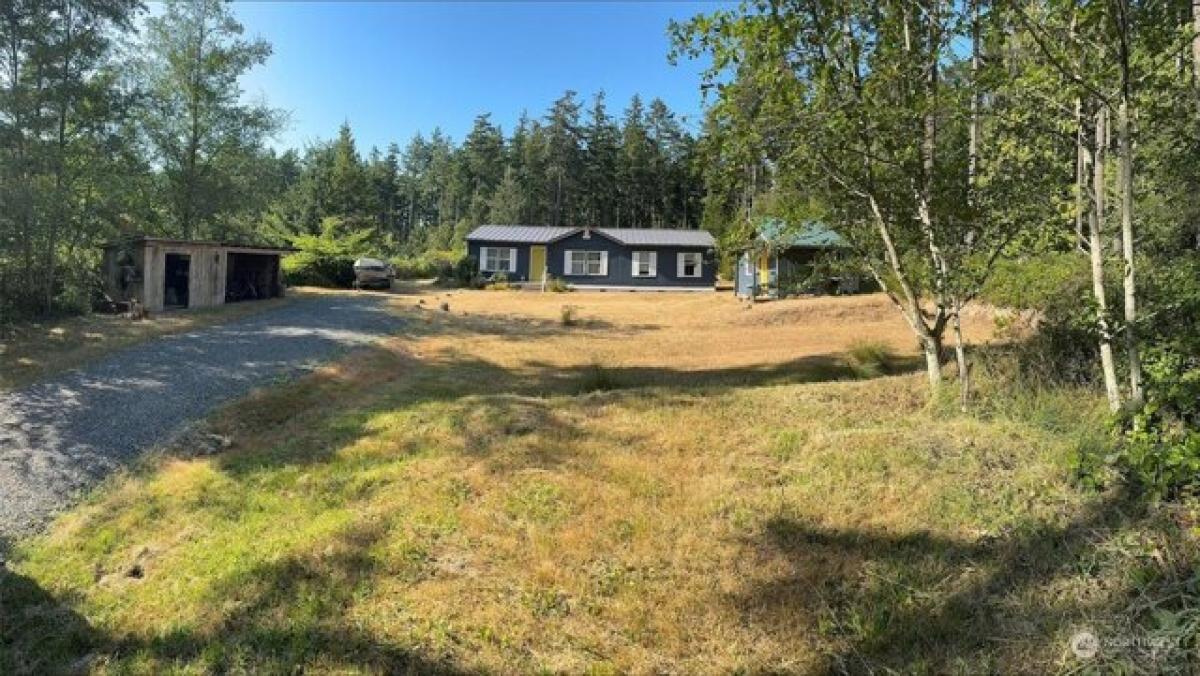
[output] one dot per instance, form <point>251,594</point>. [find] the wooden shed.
<point>162,273</point>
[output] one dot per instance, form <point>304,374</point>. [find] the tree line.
<point>106,130</point>
<point>569,167</point>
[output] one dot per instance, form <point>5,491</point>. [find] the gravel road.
<point>61,436</point>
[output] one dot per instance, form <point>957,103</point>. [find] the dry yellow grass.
<point>672,484</point>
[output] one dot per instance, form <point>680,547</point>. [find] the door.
<point>537,263</point>
<point>176,280</point>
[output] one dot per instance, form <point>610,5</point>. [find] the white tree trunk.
<point>960,358</point>
<point>1125,180</point>
<point>1196,50</point>
<point>1096,247</point>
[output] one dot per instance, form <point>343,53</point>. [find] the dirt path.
<point>61,436</point>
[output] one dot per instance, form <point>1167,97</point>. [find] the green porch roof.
<point>776,233</point>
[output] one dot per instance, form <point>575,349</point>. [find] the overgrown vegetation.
<point>870,359</point>
<point>985,148</point>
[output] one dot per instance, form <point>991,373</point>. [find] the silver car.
<point>372,273</point>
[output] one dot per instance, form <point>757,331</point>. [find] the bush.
<point>326,259</point>
<point>1038,282</point>
<point>425,266</point>
<point>598,378</point>
<point>568,315</point>
<point>500,282</point>
<point>463,273</point>
<point>308,268</point>
<point>1160,449</point>
<point>557,285</point>
<point>870,359</point>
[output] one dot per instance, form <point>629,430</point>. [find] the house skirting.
<point>607,287</point>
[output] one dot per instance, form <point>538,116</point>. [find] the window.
<point>690,264</point>
<point>586,263</point>
<point>645,263</point>
<point>497,259</point>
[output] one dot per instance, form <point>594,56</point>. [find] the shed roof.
<point>542,234</point>
<point>811,235</point>
<point>146,239</point>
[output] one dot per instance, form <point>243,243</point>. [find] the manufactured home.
<point>783,261</point>
<point>160,273</point>
<point>633,259</point>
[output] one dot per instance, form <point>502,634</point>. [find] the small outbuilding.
<point>160,273</point>
<point>783,261</point>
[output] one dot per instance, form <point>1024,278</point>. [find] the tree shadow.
<point>430,321</point>
<point>492,401</point>
<point>880,596</point>
<point>279,617</point>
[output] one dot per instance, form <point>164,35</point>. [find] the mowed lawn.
<point>667,483</point>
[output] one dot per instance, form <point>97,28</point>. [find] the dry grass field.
<point>651,483</point>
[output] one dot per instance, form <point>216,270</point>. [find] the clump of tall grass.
<point>870,359</point>
<point>568,315</point>
<point>598,378</point>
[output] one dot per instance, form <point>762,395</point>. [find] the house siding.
<point>620,263</point>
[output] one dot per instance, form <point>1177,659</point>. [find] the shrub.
<point>1160,449</point>
<point>568,315</point>
<point>425,266</point>
<point>557,285</point>
<point>463,273</point>
<point>1038,282</point>
<point>598,378</point>
<point>870,359</point>
<point>326,259</point>
<point>500,282</point>
<point>310,268</point>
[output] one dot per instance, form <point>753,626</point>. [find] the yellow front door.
<point>537,263</point>
<point>764,269</point>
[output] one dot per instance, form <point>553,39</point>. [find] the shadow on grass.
<point>280,617</point>
<point>294,611</point>
<point>922,603</point>
<point>492,401</point>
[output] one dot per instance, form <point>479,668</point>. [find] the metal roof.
<point>810,235</point>
<point>542,234</point>
<point>169,241</point>
<point>523,234</point>
<point>659,236</point>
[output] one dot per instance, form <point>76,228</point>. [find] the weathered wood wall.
<point>208,268</point>
<point>206,274</point>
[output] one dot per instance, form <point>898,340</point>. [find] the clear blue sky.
<point>393,68</point>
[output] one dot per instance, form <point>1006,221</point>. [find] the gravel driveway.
<point>61,436</point>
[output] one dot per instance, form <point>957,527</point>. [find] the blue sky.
<point>393,68</point>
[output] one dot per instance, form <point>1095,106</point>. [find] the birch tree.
<point>865,106</point>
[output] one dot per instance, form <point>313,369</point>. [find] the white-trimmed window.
<point>586,263</point>
<point>690,264</point>
<point>645,263</point>
<point>497,259</point>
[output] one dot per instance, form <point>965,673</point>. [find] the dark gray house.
<point>597,258</point>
